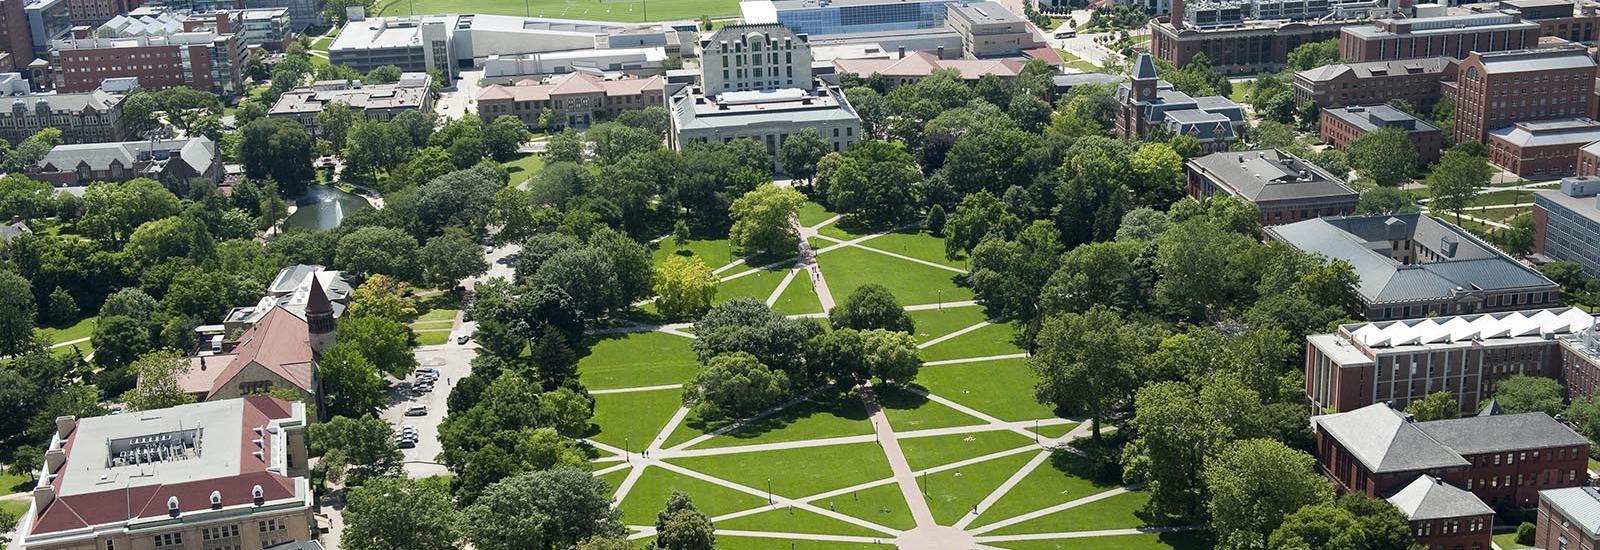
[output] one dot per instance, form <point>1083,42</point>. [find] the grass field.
<point>523,167</point>
<point>908,411</point>
<point>799,298</point>
<point>1148,541</point>
<point>990,340</point>
<point>806,420</point>
<point>1508,541</point>
<point>641,359</point>
<point>795,473</point>
<point>811,214</point>
<point>1060,479</point>
<point>848,268</point>
<point>714,252</point>
<point>921,246</point>
<point>933,323</point>
<point>630,420</point>
<point>1115,512</point>
<point>14,482</point>
<point>951,494</point>
<point>1002,389</point>
<point>650,494</point>
<point>928,452</point>
<point>657,10</point>
<point>791,520</point>
<point>758,285</point>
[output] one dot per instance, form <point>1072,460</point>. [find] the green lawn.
<point>649,496</point>
<point>631,420</point>
<point>811,214</point>
<point>1502,197</point>
<point>637,359</point>
<point>799,298</point>
<point>84,328</point>
<point>791,520</point>
<point>432,337</point>
<point>523,167</point>
<point>714,252</point>
<point>616,10</point>
<point>753,543</point>
<point>951,494</point>
<point>14,483</point>
<point>614,478</point>
<point>883,505</point>
<point>849,268</point>
<point>1116,512</point>
<point>799,472</point>
<point>805,420</point>
<point>1057,430</point>
<point>1241,91</point>
<point>758,285</point>
<point>933,323</point>
<point>909,411</point>
<point>928,452</point>
<point>1060,479</point>
<point>988,341</point>
<point>1002,389</point>
<point>921,246</point>
<point>1508,541</point>
<point>16,508</point>
<point>1143,541</point>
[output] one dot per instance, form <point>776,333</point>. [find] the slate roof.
<point>1269,175</point>
<point>13,230</point>
<point>1378,69</point>
<point>1428,497</point>
<point>1580,505</point>
<point>1385,441</point>
<point>1474,265</point>
<point>1502,432</point>
<point>97,100</point>
<point>198,152</point>
<point>1574,132</point>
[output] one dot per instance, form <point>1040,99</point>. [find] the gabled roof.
<point>1580,505</point>
<point>1270,174</point>
<point>198,152</point>
<point>1384,440</point>
<point>1502,432</point>
<point>570,84</point>
<point>1428,497</point>
<point>279,342</point>
<point>921,64</point>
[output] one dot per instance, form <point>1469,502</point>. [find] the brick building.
<point>1502,460</point>
<point>1566,221</point>
<point>1284,188</point>
<point>573,99</point>
<point>1564,19</point>
<point>1498,89</point>
<point>1399,362</point>
<point>1342,125</point>
<point>87,117</point>
<point>1414,265</point>
<point>216,475</point>
<point>1568,518</point>
<point>204,55</point>
<point>1580,363</point>
<point>1149,105</point>
<point>1417,81</point>
<point>1253,47</point>
<point>1444,516</point>
<point>379,102</point>
<point>1544,149</point>
<point>16,37</point>
<point>94,12</point>
<point>1449,36</point>
<point>173,161</point>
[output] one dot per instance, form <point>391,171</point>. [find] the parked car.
<point>463,339</point>
<point>417,410</point>
<point>406,443</point>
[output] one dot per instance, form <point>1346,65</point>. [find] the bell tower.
<point>319,318</point>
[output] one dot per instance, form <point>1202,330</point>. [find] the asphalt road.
<point>454,363</point>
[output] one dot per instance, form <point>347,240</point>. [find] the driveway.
<point>454,363</point>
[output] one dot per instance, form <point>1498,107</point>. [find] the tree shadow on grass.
<point>847,408</point>
<point>1188,540</point>
<point>898,398</point>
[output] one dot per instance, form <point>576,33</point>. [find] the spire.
<point>317,300</point>
<point>1145,69</point>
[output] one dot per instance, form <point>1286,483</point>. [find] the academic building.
<point>1284,188</point>
<point>1495,90</point>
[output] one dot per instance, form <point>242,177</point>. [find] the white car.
<point>417,410</point>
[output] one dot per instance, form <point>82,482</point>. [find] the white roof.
<point>1447,330</point>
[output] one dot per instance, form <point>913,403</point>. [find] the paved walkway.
<point>897,459</point>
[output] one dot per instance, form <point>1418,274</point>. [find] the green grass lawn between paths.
<point>909,411</point>
<point>933,323</point>
<point>594,10</point>
<point>797,473</point>
<point>1114,512</point>
<point>849,268</point>
<point>523,167</point>
<point>951,494</point>
<point>1060,479</point>
<point>650,492</point>
<point>1146,541</point>
<point>928,452</point>
<point>631,420</point>
<point>1003,389</point>
<point>800,297</point>
<point>637,359</point>
<point>806,420</point>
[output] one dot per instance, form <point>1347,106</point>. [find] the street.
<point>457,100</point>
<point>454,363</point>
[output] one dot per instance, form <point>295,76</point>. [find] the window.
<point>225,537</point>
<point>169,540</point>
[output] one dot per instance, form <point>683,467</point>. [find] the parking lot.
<point>453,362</point>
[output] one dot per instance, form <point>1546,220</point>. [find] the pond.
<point>323,207</point>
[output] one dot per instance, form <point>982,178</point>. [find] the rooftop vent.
<point>172,505</point>
<point>216,499</point>
<point>255,494</point>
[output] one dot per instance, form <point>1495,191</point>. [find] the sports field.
<point>609,10</point>
<point>963,454</point>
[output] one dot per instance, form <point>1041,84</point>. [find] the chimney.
<point>1404,6</point>
<point>53,459</point>
<point>65,425</point>
<point>902,52</point>
<point>43,495</point>
<point>1176,18</point>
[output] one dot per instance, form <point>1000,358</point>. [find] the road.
<point>454,363</point>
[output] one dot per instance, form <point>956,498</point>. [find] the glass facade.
<point>822,18</point>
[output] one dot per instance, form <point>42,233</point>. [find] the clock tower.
<point>1142,91</point>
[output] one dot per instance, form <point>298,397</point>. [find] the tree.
<point>686,287</point>
<point>1382,524</point>
<point>1007,275</point>
<point>1436,406</point>
<point>1521,394</point>
<point>975,218</point>
<point>351,384</point>
<point>119,340</point>
<point>1314,54</point>
<point>384,342</point>
<point>681,526</point>
<point>871,306</point>
<point>362,447</point>
<point>383,74</point>
<point>552,509</point>
<point>1085,362</point>
<point>1174,441</point>
<point>1159,170</point>
<point>16,313</point>
<point>335,121</point>
<point>1386,156</point>
<point>159,373</point>
<point>1584,414</point>
<point>1321,526</point>
<point>1254,485</point>
<point>748,325</point>
<point>874,182</point>
<point>24,198</point>
<point>280,149</point>
<point>565,146</point>
<point>503,136</point>
<point>1095,273</point>
<point>396,513</point>
<point>451,257</point>
<point>378,250</point>
<point>1385,200</point>
<point>934,223</point>
<point>382,296</point>
<point>799,154</point>
<point>462,198</point>
<point>111,211</point>
<point>374,147</point>
<point>761,220</point>
<point>735,385</point>
<point>1456,179</point>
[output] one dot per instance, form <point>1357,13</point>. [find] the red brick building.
<point>1416,81</point>
<point>1498,89</point>
<point>15,38</point>
<point>1256,46</point>
<point>1449,36</point>
<point>207,56</point>
<point>1544,149</point>
<point>1444,516</point>
<point>1284,188</point>
<point>1558,18</point>
<point>1342,125</point>
<point>94,12</point>
<point>1501,460</point>
<point>1568,519</point>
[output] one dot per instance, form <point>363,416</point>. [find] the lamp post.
<point>769,491</point>
<point>625,454</point>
